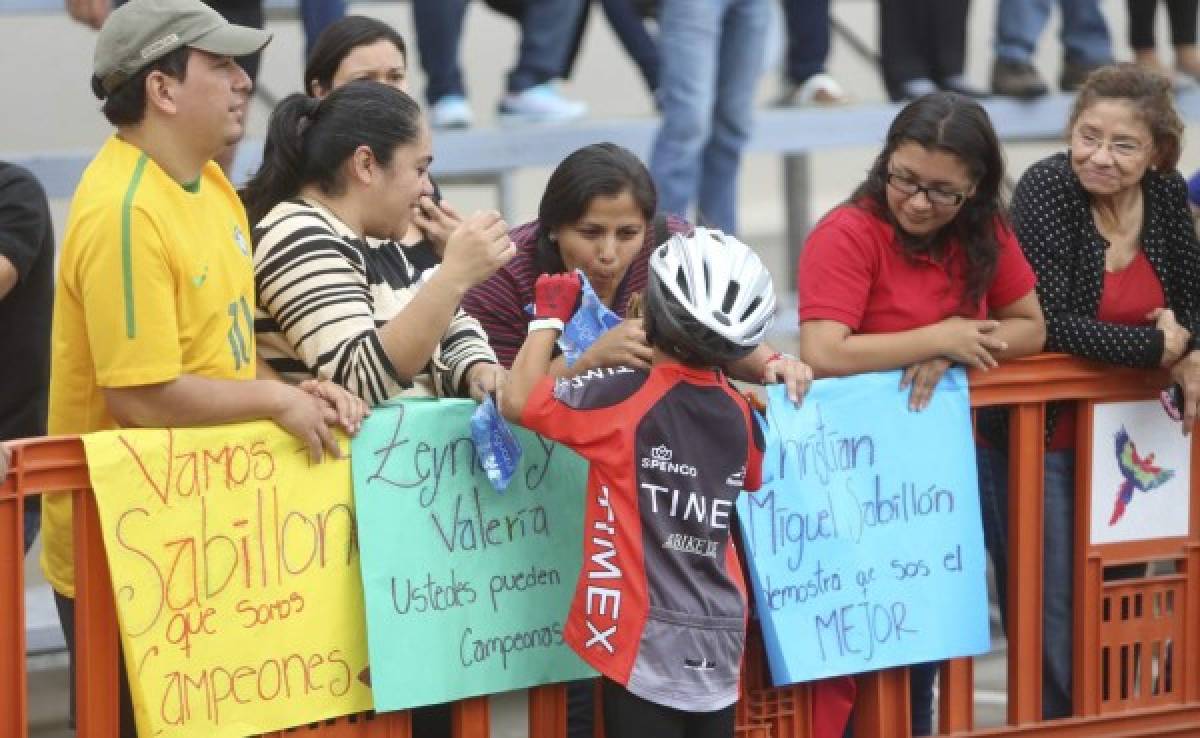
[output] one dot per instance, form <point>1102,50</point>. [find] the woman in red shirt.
<point>920,270</point>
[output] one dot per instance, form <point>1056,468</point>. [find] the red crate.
<point>766,711</point>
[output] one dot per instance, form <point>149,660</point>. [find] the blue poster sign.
<point>864,544</point>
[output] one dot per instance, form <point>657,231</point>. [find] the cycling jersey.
<point>660,606</point>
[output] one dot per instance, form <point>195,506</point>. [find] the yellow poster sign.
<point>235,566</point>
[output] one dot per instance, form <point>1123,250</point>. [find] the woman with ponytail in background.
<point>338,298</point>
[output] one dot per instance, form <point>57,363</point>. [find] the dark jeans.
<point>629,716</point>
<point>32,520</point>
<point>581,707</point>
<point>317,15</point>
<point>66,617</point>
<point>808,38</point>
<point>1182,14</point>
<point>920,696</point>
<point>1057,562</point>
<point>547,30</point>
<point>921,39</point>
<point>629,26</point>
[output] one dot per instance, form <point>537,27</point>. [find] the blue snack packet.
<point>592,320</point>
<point>496,447</point>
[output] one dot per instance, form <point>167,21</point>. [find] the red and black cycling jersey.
<point>660,606</point>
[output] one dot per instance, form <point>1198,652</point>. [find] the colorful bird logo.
<point>1140,473</point>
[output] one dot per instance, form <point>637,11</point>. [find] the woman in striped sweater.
<point>338,297</point>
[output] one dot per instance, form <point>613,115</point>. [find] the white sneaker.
<point>539,104</point>
<point>450,111</point>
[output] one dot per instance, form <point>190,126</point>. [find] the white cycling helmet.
<point>711,292</point>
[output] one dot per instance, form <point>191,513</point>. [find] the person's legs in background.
<point>907,72</point>
<point>1019,23</point>
<point>1141,33</point>
<point>1085,41</point>
<point>317,15</point>
<point>127,727</point>
<point>992,466</point>
<point>32,520</point>
<point>805,81</point>
<point>1058,529</point>
<point>920,696</point>
<point>630,27</point>
<point>1058,562</point>
<point>1182,14</point>
<point>946,38</point>
<point>689,41</point>
<point>581,708</point>
<point>739,66</point>
<point>438,25</point>
<point>547,31</point>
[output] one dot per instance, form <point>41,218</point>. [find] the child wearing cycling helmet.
<point>660,607</point>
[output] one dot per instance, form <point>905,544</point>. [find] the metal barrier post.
<point>471,718</point>
<point>548,711</point>
<point>13,682</point>
<point>97,711</point>
<point>956,696</point>
<point>881,707</point>
<point>1026,460</point>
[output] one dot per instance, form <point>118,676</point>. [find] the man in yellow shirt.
<point>153,320</point>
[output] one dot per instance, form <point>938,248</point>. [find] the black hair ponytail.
<point>279,176</point>
<point>308,140</point>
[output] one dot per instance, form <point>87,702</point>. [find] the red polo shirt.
<point>1127,297</point>
<point>853,271</point>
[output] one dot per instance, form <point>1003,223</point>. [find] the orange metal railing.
<point>1137,640</point>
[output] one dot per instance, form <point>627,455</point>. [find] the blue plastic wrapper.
<point>496,447</point>
<point>592,320</point>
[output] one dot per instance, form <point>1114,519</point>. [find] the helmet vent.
<point>751,307</point>
<point>731,293</point>
<point>681,281</point>
<point>721,318</point>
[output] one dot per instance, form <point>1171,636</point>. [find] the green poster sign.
<point>467,589</point>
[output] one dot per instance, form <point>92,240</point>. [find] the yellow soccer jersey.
<point>155,280</point>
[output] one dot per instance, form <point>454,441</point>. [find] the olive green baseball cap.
<point>143,31</point>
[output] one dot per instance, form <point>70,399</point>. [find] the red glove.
<point>556,296</point>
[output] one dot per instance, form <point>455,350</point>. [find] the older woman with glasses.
<point>1107,229</point>
<point>920,270</point>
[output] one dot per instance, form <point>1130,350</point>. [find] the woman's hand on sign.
<point>486,379</point>
<point>970,342</point>
<point>307,417</point>
<point>342,406</point>
<point>923,377</point>
<point>789,371</point>
<point>623,345</point>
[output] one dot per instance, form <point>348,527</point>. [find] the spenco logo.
<point>660,459</point>
<point>154,48</point>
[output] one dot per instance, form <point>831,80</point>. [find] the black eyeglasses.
<point>910,186</point>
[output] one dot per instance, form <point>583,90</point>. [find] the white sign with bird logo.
<point>1141,473</point>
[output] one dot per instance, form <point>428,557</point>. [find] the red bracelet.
<point>773,357</point>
